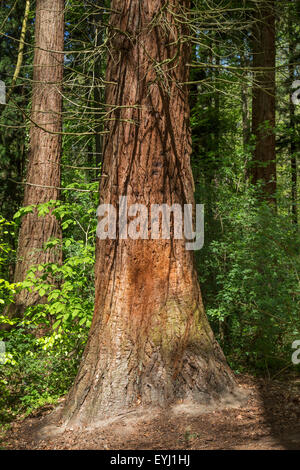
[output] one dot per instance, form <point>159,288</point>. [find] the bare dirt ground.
<point>269,420</point>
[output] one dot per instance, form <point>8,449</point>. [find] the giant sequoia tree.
<point>43,174</point>
<point>150,342</point>
<point>263,102</point>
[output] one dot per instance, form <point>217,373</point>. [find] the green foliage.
<point>254,262</point>
<point>36,371</point>
<point>44,348</point>
<point>70,299</point>
<point>7,289</point>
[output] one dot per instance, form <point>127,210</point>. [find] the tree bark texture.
<point>43,173</point>
<point>150,342</point>
<point>263,98</point>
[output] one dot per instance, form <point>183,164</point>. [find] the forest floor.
<point>269,420</point>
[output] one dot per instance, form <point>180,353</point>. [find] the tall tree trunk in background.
<point>45,147</point>
<point>150,342</point>
<point>98,92</point>
<point>217,109</point>
<point>263,98</point>
<point>244,96</point>
<point>294,137</point>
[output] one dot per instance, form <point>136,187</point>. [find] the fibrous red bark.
<point>263,98</point>
<point>150,342</point>
<point>43,174</point>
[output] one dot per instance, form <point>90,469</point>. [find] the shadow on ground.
<point>269,420</point>
<point>281,405</point>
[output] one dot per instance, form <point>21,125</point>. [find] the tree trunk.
<point>244,97</point>
<point>150,342</point>
<point>263,98</point>
<point>43,174</point>
<point>294,138</point>
<point>98,94</point>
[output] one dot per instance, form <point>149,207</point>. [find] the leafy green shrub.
<point>7,289</point>
<point>252,303</point>
<point>36,371</point>
<point>39,370</point>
